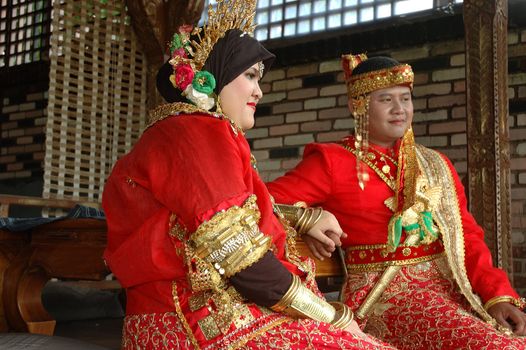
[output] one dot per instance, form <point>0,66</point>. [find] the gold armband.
<point>231,240</point>
<point>301,302</point>
<point>518,302</point>
<point>299,216</point>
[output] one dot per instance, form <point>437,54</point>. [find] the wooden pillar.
<point>486,38</point>
<point>154,22</point>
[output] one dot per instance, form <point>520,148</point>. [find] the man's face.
<point>390,115</point>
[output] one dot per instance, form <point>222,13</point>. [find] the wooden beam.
<point>488,151</point>
<point>154,22</point>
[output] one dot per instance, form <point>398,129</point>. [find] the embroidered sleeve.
<point>231,240</point>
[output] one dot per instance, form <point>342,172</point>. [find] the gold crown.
<point>362,84</point>
<point>228,14</point>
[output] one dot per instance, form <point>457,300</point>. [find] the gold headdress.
<point>386,73</point>
<point>189,56</point>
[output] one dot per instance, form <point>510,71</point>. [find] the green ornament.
<point>204,82</point>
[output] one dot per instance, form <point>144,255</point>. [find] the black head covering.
<point>375,63</point>
<point>231,56</point>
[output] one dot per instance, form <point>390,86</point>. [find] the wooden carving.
<point>487,123</point>
<point>154,22</point>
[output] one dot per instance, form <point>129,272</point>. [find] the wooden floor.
<point>85,314</point>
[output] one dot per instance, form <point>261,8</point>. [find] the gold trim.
<point>379,172</point>
<point>449,220</point>
<point>373,246</point>
<point>256,333</point>
<point>208,327</point>
<point>173,109</point>
<point>371,267</point>
<point>183,320</point>
<point>176,230</point>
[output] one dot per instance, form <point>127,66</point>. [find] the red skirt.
<point>423,308</point>
<point>165,331</point>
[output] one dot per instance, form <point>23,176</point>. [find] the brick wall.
<point>22,127</point>
<point>307,102</point>
<point>517,123</point>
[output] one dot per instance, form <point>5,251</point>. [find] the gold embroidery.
<point>199,300</point>
<point>173,109</point>
<point>245,316</point>
<point>389,181</point>
<point>176,230</point>
<point>188,330</point>
<point>201,275</point>
<point>449,221</point>
<point>208,327</point>
<point>380,266</point>
<point>406,251</point>
<point>362,84</point>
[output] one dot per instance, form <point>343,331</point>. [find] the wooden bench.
<point>70,249</point>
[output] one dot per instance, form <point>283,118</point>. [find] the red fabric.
<point>165,331</point>
<point>327,177</point>
<point>193,166</point>
<point>423,309</point>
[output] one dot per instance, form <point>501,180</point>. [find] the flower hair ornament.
<point>188,56</point>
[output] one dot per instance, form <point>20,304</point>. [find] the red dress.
<point>185,170</point>
<point>423,307</point>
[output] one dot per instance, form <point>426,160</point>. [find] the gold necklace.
<point>383,172</point>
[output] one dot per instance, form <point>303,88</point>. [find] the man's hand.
<point>505,312</point>
<point>323,237</point>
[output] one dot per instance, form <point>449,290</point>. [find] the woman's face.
<point>240,97</point>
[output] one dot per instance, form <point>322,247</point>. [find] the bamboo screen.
<point>97,96</point>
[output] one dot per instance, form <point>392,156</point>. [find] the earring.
<point>218,105</point>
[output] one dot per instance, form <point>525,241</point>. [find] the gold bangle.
<point>301,302</point>
<point>291,213</point>
<point>344,315</point>
<point>302,220</point>
<point>309,219</point>
<point>518,302</point>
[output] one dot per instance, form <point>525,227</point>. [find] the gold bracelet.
<point>303,220</point>
<point>291,213</point>
<point>310,217</point>
<point>344,315</point>
<point>301,302</point>
<point>518,302</point>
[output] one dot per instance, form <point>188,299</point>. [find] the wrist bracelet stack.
<point>344,315</point>
<point>308,219</point>
<point>301,302</point>
<point>518,302</point>
<point>299,216</point>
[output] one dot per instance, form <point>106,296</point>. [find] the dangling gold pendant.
<point>386,169</point>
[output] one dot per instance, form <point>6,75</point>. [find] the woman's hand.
<point>355,329</point>
<point>324,236</point>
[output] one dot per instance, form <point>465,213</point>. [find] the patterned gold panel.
<point>487,128</point>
